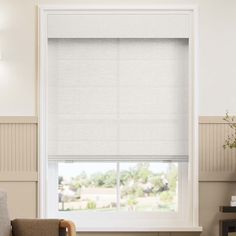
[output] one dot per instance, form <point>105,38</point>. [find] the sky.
<point>72,169</point>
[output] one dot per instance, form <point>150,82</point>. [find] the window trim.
<point>44,12</point>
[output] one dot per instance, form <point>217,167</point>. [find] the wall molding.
<point>215,162</point>
<point>223,176</point>
<point>18,148</point>
<point>18,120</point>
<point>19,176</point>
<point>212,120</point>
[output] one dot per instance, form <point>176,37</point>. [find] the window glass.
<point>123,186</point>
<point>148,186</point>
<point>86,186</point>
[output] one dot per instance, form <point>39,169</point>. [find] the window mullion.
<point>118,185</point>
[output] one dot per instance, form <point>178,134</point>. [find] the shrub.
<point>91,205</point>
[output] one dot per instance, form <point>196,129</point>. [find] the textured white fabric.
<point>118,97</point>
<point>5,225</point>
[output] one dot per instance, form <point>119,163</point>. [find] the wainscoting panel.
<point>215,162</point>
<point>18,165</point>
<point>18,149</point>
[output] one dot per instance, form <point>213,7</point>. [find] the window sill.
<point>139,229</point>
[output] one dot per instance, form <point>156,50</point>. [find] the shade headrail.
<point>167,158</point>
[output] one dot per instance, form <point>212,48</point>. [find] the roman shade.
<point>118,98</point>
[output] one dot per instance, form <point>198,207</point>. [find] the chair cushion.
<point>35,227</point>
<point>5,224</point>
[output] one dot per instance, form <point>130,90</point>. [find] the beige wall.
<point>18,43</point>
<point>18,46</point>
<point>212,195</point>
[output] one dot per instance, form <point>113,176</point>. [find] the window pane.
<point>87,186</point>
<point>148,186</point>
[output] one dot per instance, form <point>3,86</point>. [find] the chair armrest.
<point>70,227</point>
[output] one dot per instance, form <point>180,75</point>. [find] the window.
<point>125,186</point>
<point>118,127</point>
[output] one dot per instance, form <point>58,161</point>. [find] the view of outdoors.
<point>124,186</point>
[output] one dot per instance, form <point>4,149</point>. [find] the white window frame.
<point>44,12</point>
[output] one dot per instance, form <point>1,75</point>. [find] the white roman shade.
<point>118,98</point>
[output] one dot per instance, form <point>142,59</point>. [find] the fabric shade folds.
<point>117,98</point>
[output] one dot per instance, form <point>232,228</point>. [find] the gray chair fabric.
<point>5,224</point>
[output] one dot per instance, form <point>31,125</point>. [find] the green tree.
<point>143,172</point>
<point>97,179</point>
<point>110,179</point>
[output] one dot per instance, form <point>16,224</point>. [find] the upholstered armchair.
<point>32,227</point>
